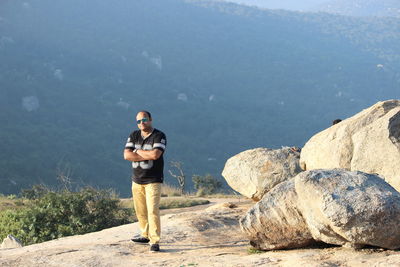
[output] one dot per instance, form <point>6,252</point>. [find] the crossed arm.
<point>141,155</point>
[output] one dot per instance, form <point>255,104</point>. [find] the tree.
<point>181,176</point>
<point>64,173</point>
<point>208,184</point>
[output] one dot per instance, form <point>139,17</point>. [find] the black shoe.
<point>141,240</point>
<point>154,247</point>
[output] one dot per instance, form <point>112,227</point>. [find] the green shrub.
<point>207,184</point>
<point>19,202</point>
<point>35,192</point>
<point>252,250</point>
<point>58,214</point>
<point>201,192</point>
<point>12,196</point>
<point>10,223</point>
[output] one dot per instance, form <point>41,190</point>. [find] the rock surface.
<point>184,245</point>
<point>349,208</point>
<point>256,171</point>
<point>338,207</point>
<point>11,242</point>
<point>369,142</point>
<point>275,222</point>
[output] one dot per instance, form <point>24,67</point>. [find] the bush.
<point>12,196</point>
<point>206,184</point>
<point>58,214</point>
<point>201,192</point>
<point>37,191</point>
<point>10,223</point>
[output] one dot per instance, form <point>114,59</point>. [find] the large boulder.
<point>368,142</point>
<point>349,208</point>
<point>275,222</point>
<point>256,171</point>
<point>339,207</point>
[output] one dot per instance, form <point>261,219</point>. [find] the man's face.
<point>144,122</point>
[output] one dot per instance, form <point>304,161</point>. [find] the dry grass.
<point>165,203</point>
<point>11,202</point>
<point>171,199</point>
<point>169,202</point>
<point>173,203</point>
<point>126,203</point>
<point>170,191</point>
<point>220,195</point>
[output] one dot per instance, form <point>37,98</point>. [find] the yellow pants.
<point>146,200</point>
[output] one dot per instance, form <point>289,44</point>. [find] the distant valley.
<point>218,77</point>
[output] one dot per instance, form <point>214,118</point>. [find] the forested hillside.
<point>218,78</point>
<point>377,8</point>
<point>296,5</point>
<point>358,8</point>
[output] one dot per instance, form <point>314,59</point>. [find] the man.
<point>145,148</point>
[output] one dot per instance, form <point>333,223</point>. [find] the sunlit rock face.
<point>256,171</point>
<point>351,209</point>
<point>368,141</point>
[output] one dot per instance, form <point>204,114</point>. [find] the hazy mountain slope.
<point>219,78</point>
<point>377,8</point>
<point>296,5</point>
<point>384,8</point>
<point>379,36</point>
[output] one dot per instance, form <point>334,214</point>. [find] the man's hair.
<point>145,111</point>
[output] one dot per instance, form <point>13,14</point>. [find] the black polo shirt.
<point>148,171</point>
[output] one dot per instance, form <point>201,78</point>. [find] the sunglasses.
<point>142,120</point>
